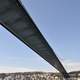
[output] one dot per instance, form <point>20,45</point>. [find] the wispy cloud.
<point>7,69</point>
<point>71,66</point>
<point>14,69</point>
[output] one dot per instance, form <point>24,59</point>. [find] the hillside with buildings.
<point>30,76</point>
<point>37,76</point>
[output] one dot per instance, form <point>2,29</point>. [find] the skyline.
<point>61,19</point>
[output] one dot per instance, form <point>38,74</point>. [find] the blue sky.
<point>59,22</point>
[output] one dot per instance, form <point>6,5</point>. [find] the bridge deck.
<point>15,18</point>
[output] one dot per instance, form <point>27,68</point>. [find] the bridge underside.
<point>16,19</point>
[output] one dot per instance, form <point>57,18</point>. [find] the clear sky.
<point>59,22</point>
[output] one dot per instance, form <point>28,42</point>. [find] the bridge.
<point>17,20</point>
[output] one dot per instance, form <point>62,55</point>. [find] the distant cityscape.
<point>37,76</point>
